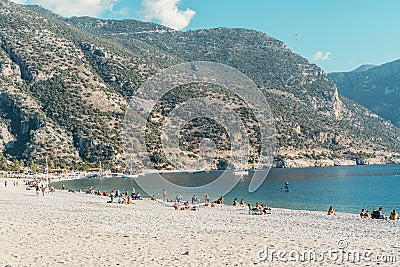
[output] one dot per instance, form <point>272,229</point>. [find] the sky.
<point>337,35</point>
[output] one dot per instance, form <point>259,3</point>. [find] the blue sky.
<point>337,35</point>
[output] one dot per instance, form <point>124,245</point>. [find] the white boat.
<point>130,176</point>
<point>241,172</point>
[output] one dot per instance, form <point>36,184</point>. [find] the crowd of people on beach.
<point>375,214</point>
<point>37,184</point>
<point>119,197</point>
<point>180,204</point>
<point>379,214</point>
<point>259,209</point>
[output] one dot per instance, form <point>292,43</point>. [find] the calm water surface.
<point>347,188</point>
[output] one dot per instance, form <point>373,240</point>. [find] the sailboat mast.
<point>47,173</point>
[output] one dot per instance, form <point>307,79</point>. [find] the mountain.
<point>363,68</point>
<point>65,85</point>
<point>375,87</point>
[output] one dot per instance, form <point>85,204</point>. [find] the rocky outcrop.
<point>26,73</point>
<point>337,105</point>
<point>5,136</point>
<point>344,162</point>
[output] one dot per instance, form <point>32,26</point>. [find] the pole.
<point>47,173</point>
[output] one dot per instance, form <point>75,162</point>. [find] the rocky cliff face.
<point>375,87</point>
<point>65,84</point>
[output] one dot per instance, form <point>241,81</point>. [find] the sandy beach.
<point>75,229</point>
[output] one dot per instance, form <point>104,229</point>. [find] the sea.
<point>348,188</point>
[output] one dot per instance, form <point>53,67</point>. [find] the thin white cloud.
<point>69,8</point>
<point>19,1</point>
<point>167,13</point>
<point>322,56</point>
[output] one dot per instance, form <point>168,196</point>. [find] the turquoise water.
<point>349,188</point>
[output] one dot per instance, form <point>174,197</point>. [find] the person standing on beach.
<point>5,183</point>
<point>37,189</point>
<point>164,193</point>
<point>43,190</point>
<point>207,198</point>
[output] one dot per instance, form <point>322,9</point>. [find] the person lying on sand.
<point>255,209</point>
<point>186,207</point>
<point>331,211</point>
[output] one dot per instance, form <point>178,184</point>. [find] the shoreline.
<point>229,197</point>
<point>171,201</point>
<point>83,229</point>
<point>72,175</point>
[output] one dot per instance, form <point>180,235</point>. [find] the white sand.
<point>73,229</point>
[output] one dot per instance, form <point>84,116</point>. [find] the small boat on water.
<point>94,176</point>
<point>240,172</point>
<point>130,176</point>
